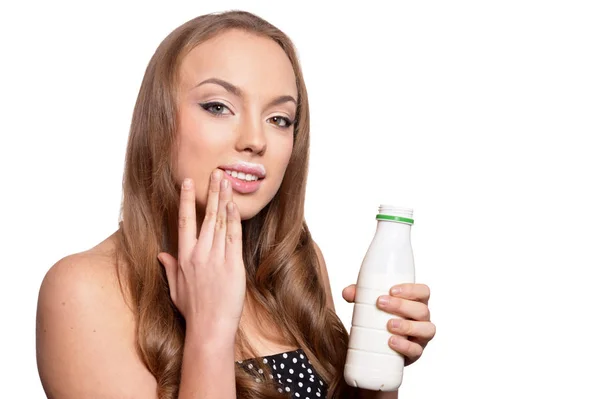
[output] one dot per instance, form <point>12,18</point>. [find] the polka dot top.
<point>293,372</point>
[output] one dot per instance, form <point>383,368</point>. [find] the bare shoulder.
<point>85,331</point>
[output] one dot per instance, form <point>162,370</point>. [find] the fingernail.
<point>216,174</point>
<point>224,183</point>
<point>187,183</point>
<point>395,323</point>
<point>396,291</point>
<point>230,207</point>
<point>384,300</point>
<point>393,341</point>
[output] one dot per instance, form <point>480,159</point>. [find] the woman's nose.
<point>251,137</point>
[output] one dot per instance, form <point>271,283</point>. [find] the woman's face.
<point>237,102</point>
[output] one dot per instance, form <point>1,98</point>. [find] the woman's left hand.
<point>414,330</point>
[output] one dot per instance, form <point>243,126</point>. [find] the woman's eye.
<point>214,108</point>
<point>281,121</point>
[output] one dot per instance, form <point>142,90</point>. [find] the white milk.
<point>370,362</point>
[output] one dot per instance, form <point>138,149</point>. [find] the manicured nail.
<point>396,291</point>
<point>216,174</point>
<point>187,183</point>
<point>384,300</point>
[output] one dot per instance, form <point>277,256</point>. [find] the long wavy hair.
<point>283,277</point>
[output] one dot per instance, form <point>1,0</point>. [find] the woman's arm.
<point>86,341</point>
<point>208,367</point>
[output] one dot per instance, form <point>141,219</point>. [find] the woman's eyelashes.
<point>215,108</point>
<point>286,121</point>
<point>218,109</point>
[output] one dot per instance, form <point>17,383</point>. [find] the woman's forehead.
<point>251,62</point>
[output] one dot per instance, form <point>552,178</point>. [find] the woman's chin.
<point>249,210</point>
<point>246,214</point>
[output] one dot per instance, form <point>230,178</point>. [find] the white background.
<point>482,116</point>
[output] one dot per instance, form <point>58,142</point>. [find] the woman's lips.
<point>255,169</point>
<point>243,186</point>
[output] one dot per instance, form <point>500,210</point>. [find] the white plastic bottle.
<point>371,363</point>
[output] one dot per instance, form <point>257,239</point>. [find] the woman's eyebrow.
<point>239,93</point>
<point>281,100</point>
<point>228,86</point>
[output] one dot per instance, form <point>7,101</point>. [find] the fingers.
<point>416,292</point>
<point>411,350</point>
<point>404,308</point>
<point>419,331</point>
<point>233,244</point>
<point>218,245</point>
<point>187,218</point>
<point>349,293</point>
<point>205,239</point>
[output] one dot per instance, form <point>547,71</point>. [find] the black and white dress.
<point>293,372</point>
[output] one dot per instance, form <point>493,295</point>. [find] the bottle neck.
<point>397,230</point>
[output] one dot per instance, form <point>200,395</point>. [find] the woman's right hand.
<point>207,281</point>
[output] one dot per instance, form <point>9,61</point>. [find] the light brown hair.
<point>282,269</point>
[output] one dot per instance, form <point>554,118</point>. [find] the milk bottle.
<point>371,363</point>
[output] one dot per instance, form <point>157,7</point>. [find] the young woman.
<point>212,286</point>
